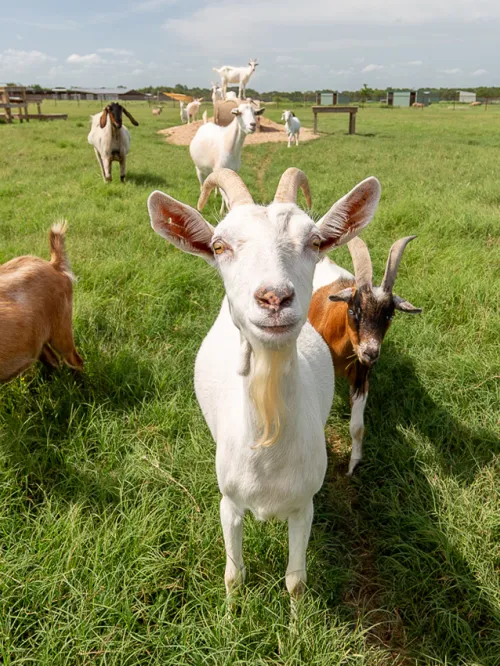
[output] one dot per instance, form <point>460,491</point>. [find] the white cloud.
<point>283,59</point>
<point>479,72</point>
<point>136,72</point>
<point>415,63</point>
<point>342,72</point>
<point>63,25</point>
<point>13,60</point>
<point>91,59</point>
<point>117,52</point>
<point>454,70</point>
<point>372,68</point>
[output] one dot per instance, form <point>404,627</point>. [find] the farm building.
<point>466,96</point>
<point>332,98</point>
<point>100,94</point>
<point>401,97</point>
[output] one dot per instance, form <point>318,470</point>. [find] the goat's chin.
<point>268,368</point>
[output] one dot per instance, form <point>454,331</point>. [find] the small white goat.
<point>263,376</point>
<point>36,310</point>
<point>111,139</point>
<point>214,147</point>
<point>292,127</point>
<point>239,75</point>
<point>184,115</point>
<point>216,93</point>
<point>156,111</point>
<point>192,109</point>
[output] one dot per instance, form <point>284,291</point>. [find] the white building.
<point>466,96</point>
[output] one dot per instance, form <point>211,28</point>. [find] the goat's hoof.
<point>234,580</point>
<point>296,585</point>
<point>353,465</point>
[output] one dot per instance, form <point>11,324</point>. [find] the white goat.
<point>216,93</point>
<point>214,147</point>
<point>231,95</point>
<point>239,75</point>
<point>110,138</point>
<point>157,110</point>
<point>263,376</point>
<point>184,115</point>
<point>192,109</point>
<point>292,127</point>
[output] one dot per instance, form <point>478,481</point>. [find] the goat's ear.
<point>236,112</point>
<point>259,112</point>
<point>345,295</point>
<point>349,215</point>
<point>182,225</point>
<point>129,116</point>
<point>293,114</point>
<point>104,118</point>
<point>405,306</point>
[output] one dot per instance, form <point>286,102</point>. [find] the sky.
<point>299,44</point>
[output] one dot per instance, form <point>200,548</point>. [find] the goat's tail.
<point>216,70</point>
<point>58,257</point>
<point>205,117</point>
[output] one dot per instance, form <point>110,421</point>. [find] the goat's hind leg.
<point>232,527</point>
<point>99,161</point>
<point>123,168</point>
<point>357,427</point>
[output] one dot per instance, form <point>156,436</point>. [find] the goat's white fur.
<point>192,109</point>
<point>214,147</point>
<point>269,247</point>
<point>110,144</point>
<point>184,115</point>
<point>292,127</point>
<point>239,75</point>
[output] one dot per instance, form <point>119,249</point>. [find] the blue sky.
<point>300,44</point>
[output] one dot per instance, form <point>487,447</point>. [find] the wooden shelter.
<point>16,97</point>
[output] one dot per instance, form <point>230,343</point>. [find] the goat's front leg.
<point>299,530</point>
<point>232,527</point>
<point>101,165</point>
<point>106,161</point>
<point>123,168</point>
<point>297,139</point>
<point>357,427</point>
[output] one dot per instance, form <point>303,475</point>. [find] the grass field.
<point>111,550</point>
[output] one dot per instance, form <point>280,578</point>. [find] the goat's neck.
<point>235,137</point>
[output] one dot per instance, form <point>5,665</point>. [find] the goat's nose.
<point>253,126</point>
<point>372,354</point>
<point>274,299</point>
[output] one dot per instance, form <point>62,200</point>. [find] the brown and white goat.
<point>157,110</point>
<point>36,310</point>
<point>353,316</point>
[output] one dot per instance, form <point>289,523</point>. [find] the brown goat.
<point>36,310</point>
<point>353,317</point>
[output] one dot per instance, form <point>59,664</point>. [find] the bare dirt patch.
<point>270,132</point>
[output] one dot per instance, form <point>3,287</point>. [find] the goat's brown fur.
<point>36,310</point>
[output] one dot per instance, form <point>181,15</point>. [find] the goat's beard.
<point>269,366</point>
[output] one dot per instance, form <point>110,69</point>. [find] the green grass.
<point>110,546</point>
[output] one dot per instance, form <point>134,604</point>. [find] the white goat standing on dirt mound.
<point>214,147</point>
<point>111,140</point>
<point>192,109</point>
<point>292,127</point>
<point>263,376</point>
<point>216,91</point>
<point>184,115</point>
<point>239,75</point>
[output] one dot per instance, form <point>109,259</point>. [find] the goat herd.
<point>264,374</point>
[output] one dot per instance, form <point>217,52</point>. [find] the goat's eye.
<point>316,243</point>
<point>351,312</point>
<point>218,247</point>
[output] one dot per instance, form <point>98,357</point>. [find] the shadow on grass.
<point>147,178</point>
<point>381,531</point>
<point>58,420</point>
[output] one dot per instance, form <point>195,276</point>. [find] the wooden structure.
<point>16,97</point>
<point>351,110</point>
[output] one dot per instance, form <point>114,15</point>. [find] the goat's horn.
<point>363,269</point>
<point>395,256</point>
<point>234,188</point>
<point>289,184</point>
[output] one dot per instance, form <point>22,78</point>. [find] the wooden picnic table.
<point>351,110</point>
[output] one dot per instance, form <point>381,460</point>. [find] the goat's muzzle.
<point>274,299</point>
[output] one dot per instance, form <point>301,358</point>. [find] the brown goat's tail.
<point>58,257</point>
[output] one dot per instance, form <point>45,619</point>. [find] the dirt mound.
<point>181,135</point>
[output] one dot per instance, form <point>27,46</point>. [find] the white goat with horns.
<point>263,375</point>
